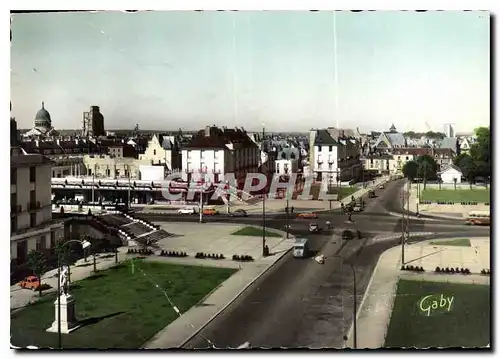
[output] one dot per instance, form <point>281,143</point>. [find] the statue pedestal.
<point>69,322</point>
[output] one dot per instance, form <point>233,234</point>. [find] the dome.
<point>42,118</point>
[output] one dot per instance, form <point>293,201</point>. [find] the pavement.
<point>196,318</point>
<point>216,238</point>
<point>376,307</point>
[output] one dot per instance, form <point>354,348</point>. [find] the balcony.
<point>216,171</point>
<point>189,171</point>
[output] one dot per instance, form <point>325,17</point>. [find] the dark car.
<point>239,213</point>
<point>347,234</point>
<point>371,194</point>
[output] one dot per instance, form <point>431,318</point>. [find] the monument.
<point>66,302</point>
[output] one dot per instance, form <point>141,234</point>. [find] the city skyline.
<point>189,69</point>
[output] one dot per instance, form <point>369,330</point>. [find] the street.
<point>300,303</point>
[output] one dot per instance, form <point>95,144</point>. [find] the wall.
<point>211,159</point>
<point>117,166</point>
<point>292,166</point>
<point>152,173</point>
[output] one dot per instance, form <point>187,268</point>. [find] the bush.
<point>437,270</point>
<point>44,286</point>
<point>467,271</point>
<point>457,270</point>
<point>403,268</point>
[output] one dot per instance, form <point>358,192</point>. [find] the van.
<point>301,248</point>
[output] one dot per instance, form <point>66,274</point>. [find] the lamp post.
<point>287,212</point>
<point>128,176</point>
<point>85,244</point>
<point>264,201</point>
<point>354,306</point>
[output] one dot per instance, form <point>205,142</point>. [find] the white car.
<point>186,211</point>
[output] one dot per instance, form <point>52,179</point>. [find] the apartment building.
<point>214,152</point>
<point>337,159</point>
<point>31,221</point>
<point>163,150</point>
<point>442,156</point>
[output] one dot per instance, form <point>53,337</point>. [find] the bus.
<point>478,218</point>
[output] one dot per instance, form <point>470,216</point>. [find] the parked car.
<point>305,215</point>
<point>358,207</point>
<point>382,186</point>
<point>189,210</point>
<point>239,213</point>
<point>210,212</point>
<point>31,282</point>
<point>347,234</point>
<point>371,194</point>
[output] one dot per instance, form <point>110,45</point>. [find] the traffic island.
<point>254,232</point>
<point>120,307</point>
<point>438,314</point>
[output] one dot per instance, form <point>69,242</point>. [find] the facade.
<point>390,140</point>
<point>451,173</point>
<point>336,159</point>
<point>106,166</point>
<point>378,163</point>
<point>286,167</point>
<point>93,123</point>
<point>449,131</point>
<point>442,156</point>
<point>163,150</point>
<point>31,209</point>
<point>42,125</point>
<point>214,152</point>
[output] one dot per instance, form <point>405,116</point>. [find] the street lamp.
<point>354,307</point>
<point>85,244</point>
<point>264,200</point>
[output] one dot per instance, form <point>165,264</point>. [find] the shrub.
<point>457,270</point>
<point>447,270</point>
<point>483,271</point>
<point>452,271</point>
<point>44,286</point>
<point>467,271</point>
<point>403,268</point>
<point>222,256</point>
<point>437,270</point>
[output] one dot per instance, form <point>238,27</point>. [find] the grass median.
<point>118,307</point>
<point>254,232</point>
<point>456,196</point>
<point>465,322</point>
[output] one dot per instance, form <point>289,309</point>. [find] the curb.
<point>234,298</point>
<point>396,236</point>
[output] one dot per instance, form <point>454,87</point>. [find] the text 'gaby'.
<point>435,303</point>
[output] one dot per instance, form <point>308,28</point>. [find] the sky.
<point>289,71</point>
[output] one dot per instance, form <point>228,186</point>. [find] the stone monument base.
<point>69,322</point>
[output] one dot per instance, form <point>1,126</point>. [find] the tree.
<point>427,168</point>
<point>439,181</point>
<point>459,158</point>
<point>468,168</point>
<point>481,150</point>
<point>38,264</point>
<point>115,244</point>
<point>146,242</point>
<point>410,170</point>
<point>455,183</point>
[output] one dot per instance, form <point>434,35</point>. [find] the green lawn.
<point>457,196</point>
<point>459,242</point>
<point>253,231</point>
<point>466,324</point>
<point>119,309</point>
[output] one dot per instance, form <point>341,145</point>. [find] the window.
<point>13,224</point>
<point>40,243</point>
<point>330,148</point>
<point>154,152</point>
<point>319,148</point>
<point>32,197</point>
<point>52,239</point>
<point>33,219</point>
<point>32,174</point>
<point>13,176</point>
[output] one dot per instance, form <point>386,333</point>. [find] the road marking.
<point>396,236</point>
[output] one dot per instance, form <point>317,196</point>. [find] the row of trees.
<point>38,261</point>
<point>475,164</point>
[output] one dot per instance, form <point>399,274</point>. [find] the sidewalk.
<point>197,317</point>
<point>22,297</point>
<point>375,309</point>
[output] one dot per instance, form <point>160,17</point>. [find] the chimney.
<point>207,131</point>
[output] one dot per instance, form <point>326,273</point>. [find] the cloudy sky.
<point>165,70</point>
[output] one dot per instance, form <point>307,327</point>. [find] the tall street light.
<point>264,199</point>
<point>354,306</point>
<point>85,244</point>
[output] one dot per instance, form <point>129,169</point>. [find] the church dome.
<point>42,118</point>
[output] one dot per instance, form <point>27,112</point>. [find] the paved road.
<point>300,303</point>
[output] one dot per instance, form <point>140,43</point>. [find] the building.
<point>449,131</point>
<point>377,163</point>
<point>93,123</point>
<point>450,174</point>
<point>286,167</point>
<point>442,156</point>
<point>163,150</point>
<point>42,125</point>
<point>31,224</point>
<point>337,159</point>
<point>390,140</point>
<point>214,152</point>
